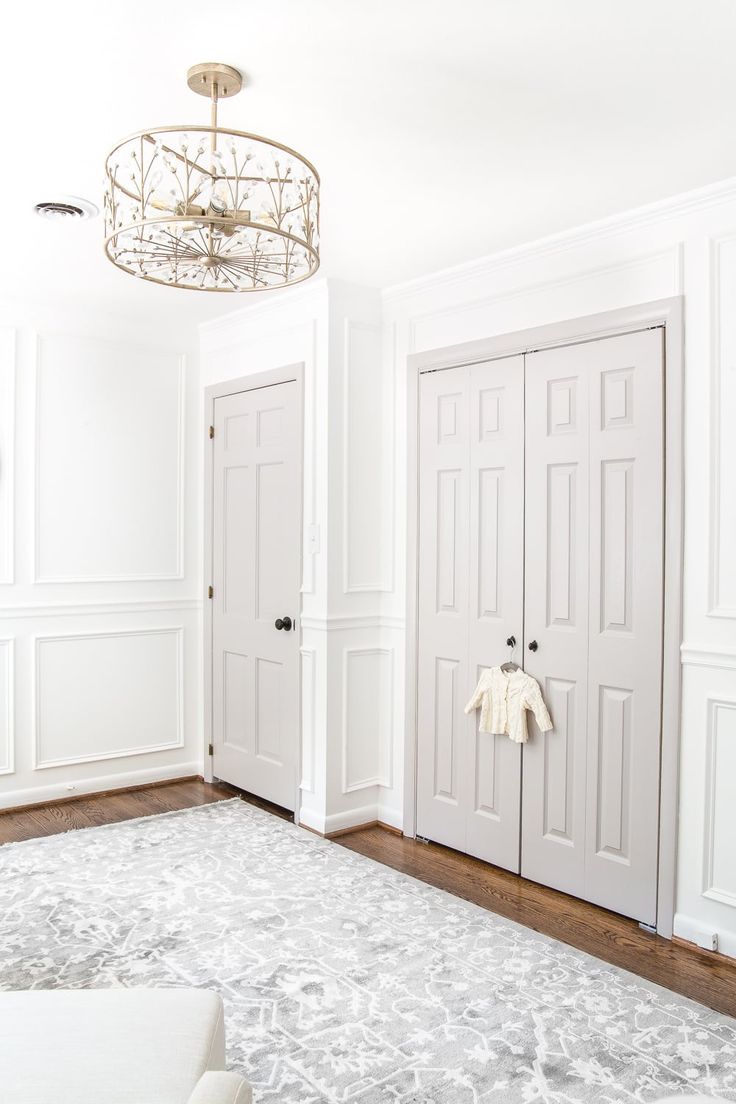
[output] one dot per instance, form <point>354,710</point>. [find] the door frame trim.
<point>668,313</point>
<point>289,373</point>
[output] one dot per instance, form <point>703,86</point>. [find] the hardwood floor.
<point>700,975</point>
<point>110,808</point>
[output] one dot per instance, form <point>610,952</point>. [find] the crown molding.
<point>636,218</point>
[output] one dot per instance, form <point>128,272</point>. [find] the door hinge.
<point>212,432</point>
<point>648,927</point>
<point>210,592</point>
<point>210,749</point>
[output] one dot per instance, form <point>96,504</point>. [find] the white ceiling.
<point>442,130</point>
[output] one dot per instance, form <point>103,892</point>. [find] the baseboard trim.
<point>697,934</point>
<point>58,794</point>
<point>718,956</point>
<point>361,827</point>
<point>353,828</point>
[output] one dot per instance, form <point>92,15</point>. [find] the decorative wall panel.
<point>107,695</point>
<point>109,462</point>
<point>367,718</point>
<point>367,463</point>
<point>719,873</point>
<point>7,453</point>
<point>723,439</point>
<point>7,715</point>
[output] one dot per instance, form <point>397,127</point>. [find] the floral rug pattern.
<point>343,980</point>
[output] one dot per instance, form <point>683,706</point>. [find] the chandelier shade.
<point>209,208</point>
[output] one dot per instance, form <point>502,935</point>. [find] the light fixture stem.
<point>213,105</point>
<point>213,145</point>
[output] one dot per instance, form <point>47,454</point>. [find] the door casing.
<point>662,312</point>
<point>291,373</point>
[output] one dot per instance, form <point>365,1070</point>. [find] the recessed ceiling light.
<point>66,207</point>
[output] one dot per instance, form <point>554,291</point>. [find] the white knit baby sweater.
<point>504,697</point>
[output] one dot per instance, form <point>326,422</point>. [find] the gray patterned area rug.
<point>345,980</point>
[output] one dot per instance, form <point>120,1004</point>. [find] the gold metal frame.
<point>202,237</point>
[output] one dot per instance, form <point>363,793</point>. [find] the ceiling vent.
<point>66,208</point>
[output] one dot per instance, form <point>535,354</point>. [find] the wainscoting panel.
<point>719,867</point>
<point>109,464</point>
<point>7,453</point>
<point>367,483</point>
<point>7,707</point>
<point>309,692</point>
<point>723,439</point>
<point>367,718</point>
<point>107,695</point>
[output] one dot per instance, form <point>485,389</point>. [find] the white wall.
<point>100,609</point>
<point>687,245</point>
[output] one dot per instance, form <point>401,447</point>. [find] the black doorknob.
<point>511,641</point>
<point>533,645</point>
<point>284,623</point>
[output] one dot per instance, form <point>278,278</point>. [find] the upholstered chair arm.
<point>221,1088</point>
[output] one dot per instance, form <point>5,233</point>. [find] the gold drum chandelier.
<point>209,208</point>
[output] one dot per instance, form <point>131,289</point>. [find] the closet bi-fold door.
<point>593,606</point>
<point>470,600</point>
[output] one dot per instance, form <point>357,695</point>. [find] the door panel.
<point>443,678</point>
<point>556,616</point>
<point>626,617</point>
<point>496,578</point>
<point>256,543</point>
<point>470,601</point>
<point>594,436</point>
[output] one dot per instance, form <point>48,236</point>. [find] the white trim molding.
<point>347,623</point>
<point>470,274</point>
<point>89,609</point>
<point>697,655</point>
<point>671,256</point>
<point>38,763</point>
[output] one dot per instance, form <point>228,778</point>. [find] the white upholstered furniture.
<point>115,1046</point>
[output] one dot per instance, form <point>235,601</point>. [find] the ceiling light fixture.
<point>209,208</point>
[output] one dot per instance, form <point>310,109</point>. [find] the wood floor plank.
<point>34,821</point>
<point>710,979</point>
